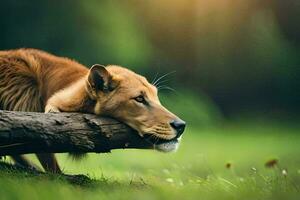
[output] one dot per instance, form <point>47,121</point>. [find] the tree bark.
<point>29,132</point>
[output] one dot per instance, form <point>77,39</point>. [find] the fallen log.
<point>29,132</point>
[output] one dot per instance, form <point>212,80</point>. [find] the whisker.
<point>153,81</point>
<point>163,81</point>
<point>163,76</point>
<point>163,87</point>
<point>147,140</point>
<point>153,137</point>
<point>157,140</point>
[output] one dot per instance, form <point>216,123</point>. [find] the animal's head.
<point>130,98</point>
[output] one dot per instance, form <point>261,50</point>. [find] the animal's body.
<point>35,81</point>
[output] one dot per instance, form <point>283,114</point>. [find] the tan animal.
<point>33,80</point>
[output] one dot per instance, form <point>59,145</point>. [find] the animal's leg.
<point>49,162</point>
<point>22,161</point>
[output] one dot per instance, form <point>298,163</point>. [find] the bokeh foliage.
<point>244,55</point>
<point>230,56</point>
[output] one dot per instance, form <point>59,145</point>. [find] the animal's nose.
<point>178,125</point>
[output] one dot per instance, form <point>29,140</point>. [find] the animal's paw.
<point>51,109</point>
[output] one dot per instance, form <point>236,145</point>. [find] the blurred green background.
<point>236,84</point>
<point>242,56</point>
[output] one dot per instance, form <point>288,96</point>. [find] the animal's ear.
<point>100,79</point>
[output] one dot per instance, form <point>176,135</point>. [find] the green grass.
<point>196,171</point>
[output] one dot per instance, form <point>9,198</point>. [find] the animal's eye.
<point>140,99</point>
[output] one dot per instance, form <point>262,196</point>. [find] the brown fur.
<point>27,78</point>
<point>33,80</point>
